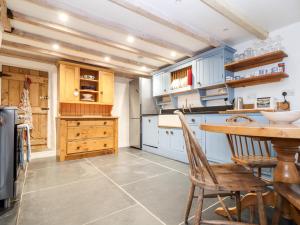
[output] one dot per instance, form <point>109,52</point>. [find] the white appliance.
<point>141,103</point>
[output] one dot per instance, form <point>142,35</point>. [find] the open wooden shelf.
<point>262,79</point>
<point>89,80</point>
<point>89,91</point>
<point>261,60</point>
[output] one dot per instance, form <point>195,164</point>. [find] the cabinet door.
<point>218,69</point>
<point>166,81</point>
<point>176,140</point>
<point>198,73</point>
<point>68,83</point>
<point>156,86</point>
<point>217,147</point>
<point>150,131</point>
<point>106,87</point>
<point>164,139</point>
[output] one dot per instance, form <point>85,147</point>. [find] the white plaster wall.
<point>291,37</point>
<point>121,109</point>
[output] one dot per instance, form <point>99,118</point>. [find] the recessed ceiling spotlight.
<point>55,46</point>
<point>144,68</point>
<point>173,54</point>
<point>130,39</point>
<point>106,58</point>
<point>63,17</point>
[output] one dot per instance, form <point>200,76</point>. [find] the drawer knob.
<point>167,132</point>
<point>149,121</point>
<point>171,132</point>
<point>78,123</point>
<point>193,120</point>
<point>104,132</point>
<point>78,147</point>
<point>78,134</point>
<point>194,132</point>
<point>105,123</point>
<point>105,145</point>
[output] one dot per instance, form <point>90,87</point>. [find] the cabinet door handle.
<point>105,145</point>
<point>193,120</point>
<point>194,132</point>
<point>165,90</point>
<point>78,123</point>
<point>149,121</point>
<point>104,132</point>
<point>171,132</point>
<point>167,132</point>
<point>78,134</point>
<point>105,123</point>
<point>78,148</point>
<point>198,82</point>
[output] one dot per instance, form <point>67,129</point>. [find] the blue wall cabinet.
<point>161,83</point>
<point>156,84</point>
<point>150,131</point>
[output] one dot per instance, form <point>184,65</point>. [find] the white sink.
<point>286,117</point>
<point>171,121</point>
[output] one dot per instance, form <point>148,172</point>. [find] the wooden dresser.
<point>86,136</point>
<point>85,127</point>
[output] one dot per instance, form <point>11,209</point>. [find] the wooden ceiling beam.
<point>174,25</point>
<point>27,56</point>
<point>43,39</point>
<point>82,35</point>
<point>227,11</point>
<point>71,57</point>
<point>114,26</point>
<point>5,21</point>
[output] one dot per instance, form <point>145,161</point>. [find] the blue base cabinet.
<point>150,133</point>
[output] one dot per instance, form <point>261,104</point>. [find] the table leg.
<point>286,170</point>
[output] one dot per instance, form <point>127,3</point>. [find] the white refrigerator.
<point>141,103</point>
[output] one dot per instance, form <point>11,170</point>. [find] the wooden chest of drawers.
<point>79,137</point>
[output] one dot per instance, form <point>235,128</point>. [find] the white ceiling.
<point>194,15</point>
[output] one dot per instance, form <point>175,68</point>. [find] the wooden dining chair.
<point>251,152</point>
<point>223,179</point>
<point>291,194</point>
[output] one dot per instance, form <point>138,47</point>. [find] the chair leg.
<point>251,214</point>
<point>259,172</point>
<point>261,209</point>
<point>189,204</point>
<point>238,205</point>
<point>277,211</point>
<point>198,213</point>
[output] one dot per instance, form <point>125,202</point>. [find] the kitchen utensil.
<point>238,103</point>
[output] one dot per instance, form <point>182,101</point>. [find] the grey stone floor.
<point>132,188</point>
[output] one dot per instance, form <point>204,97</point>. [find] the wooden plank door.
<point>11,92</point>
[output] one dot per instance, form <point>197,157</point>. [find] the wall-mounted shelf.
<point>262,79</point>
<point>89,91</point>
<point>214,96</point>
<point>261,60</point>
<point>89,80</point>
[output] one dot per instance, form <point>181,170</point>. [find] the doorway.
<point>11,92</point>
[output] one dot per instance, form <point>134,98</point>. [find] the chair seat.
<point>231,177</point>
<point>256,161</point>
<point>290,192</point>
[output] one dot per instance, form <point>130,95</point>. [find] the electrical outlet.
<point>289,92</point>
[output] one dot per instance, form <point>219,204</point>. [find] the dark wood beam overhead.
<point>5,21</point>
<point>114,26</point>
<point>82,35</point>
<point>27,56</point>
<point>43,39</point>
<point>71,57</point>
<point>175,25</point>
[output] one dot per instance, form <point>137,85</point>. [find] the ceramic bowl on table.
<point>286,117</point>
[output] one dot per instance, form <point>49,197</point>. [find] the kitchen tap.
<point>190,108</point>
<point>183,109</point>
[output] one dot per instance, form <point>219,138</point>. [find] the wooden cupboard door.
<point>68,83</point>
<point>106,87</point>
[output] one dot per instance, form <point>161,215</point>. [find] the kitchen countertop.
<point>87,117</point>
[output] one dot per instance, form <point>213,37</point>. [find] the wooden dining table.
<point>285,139</point>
